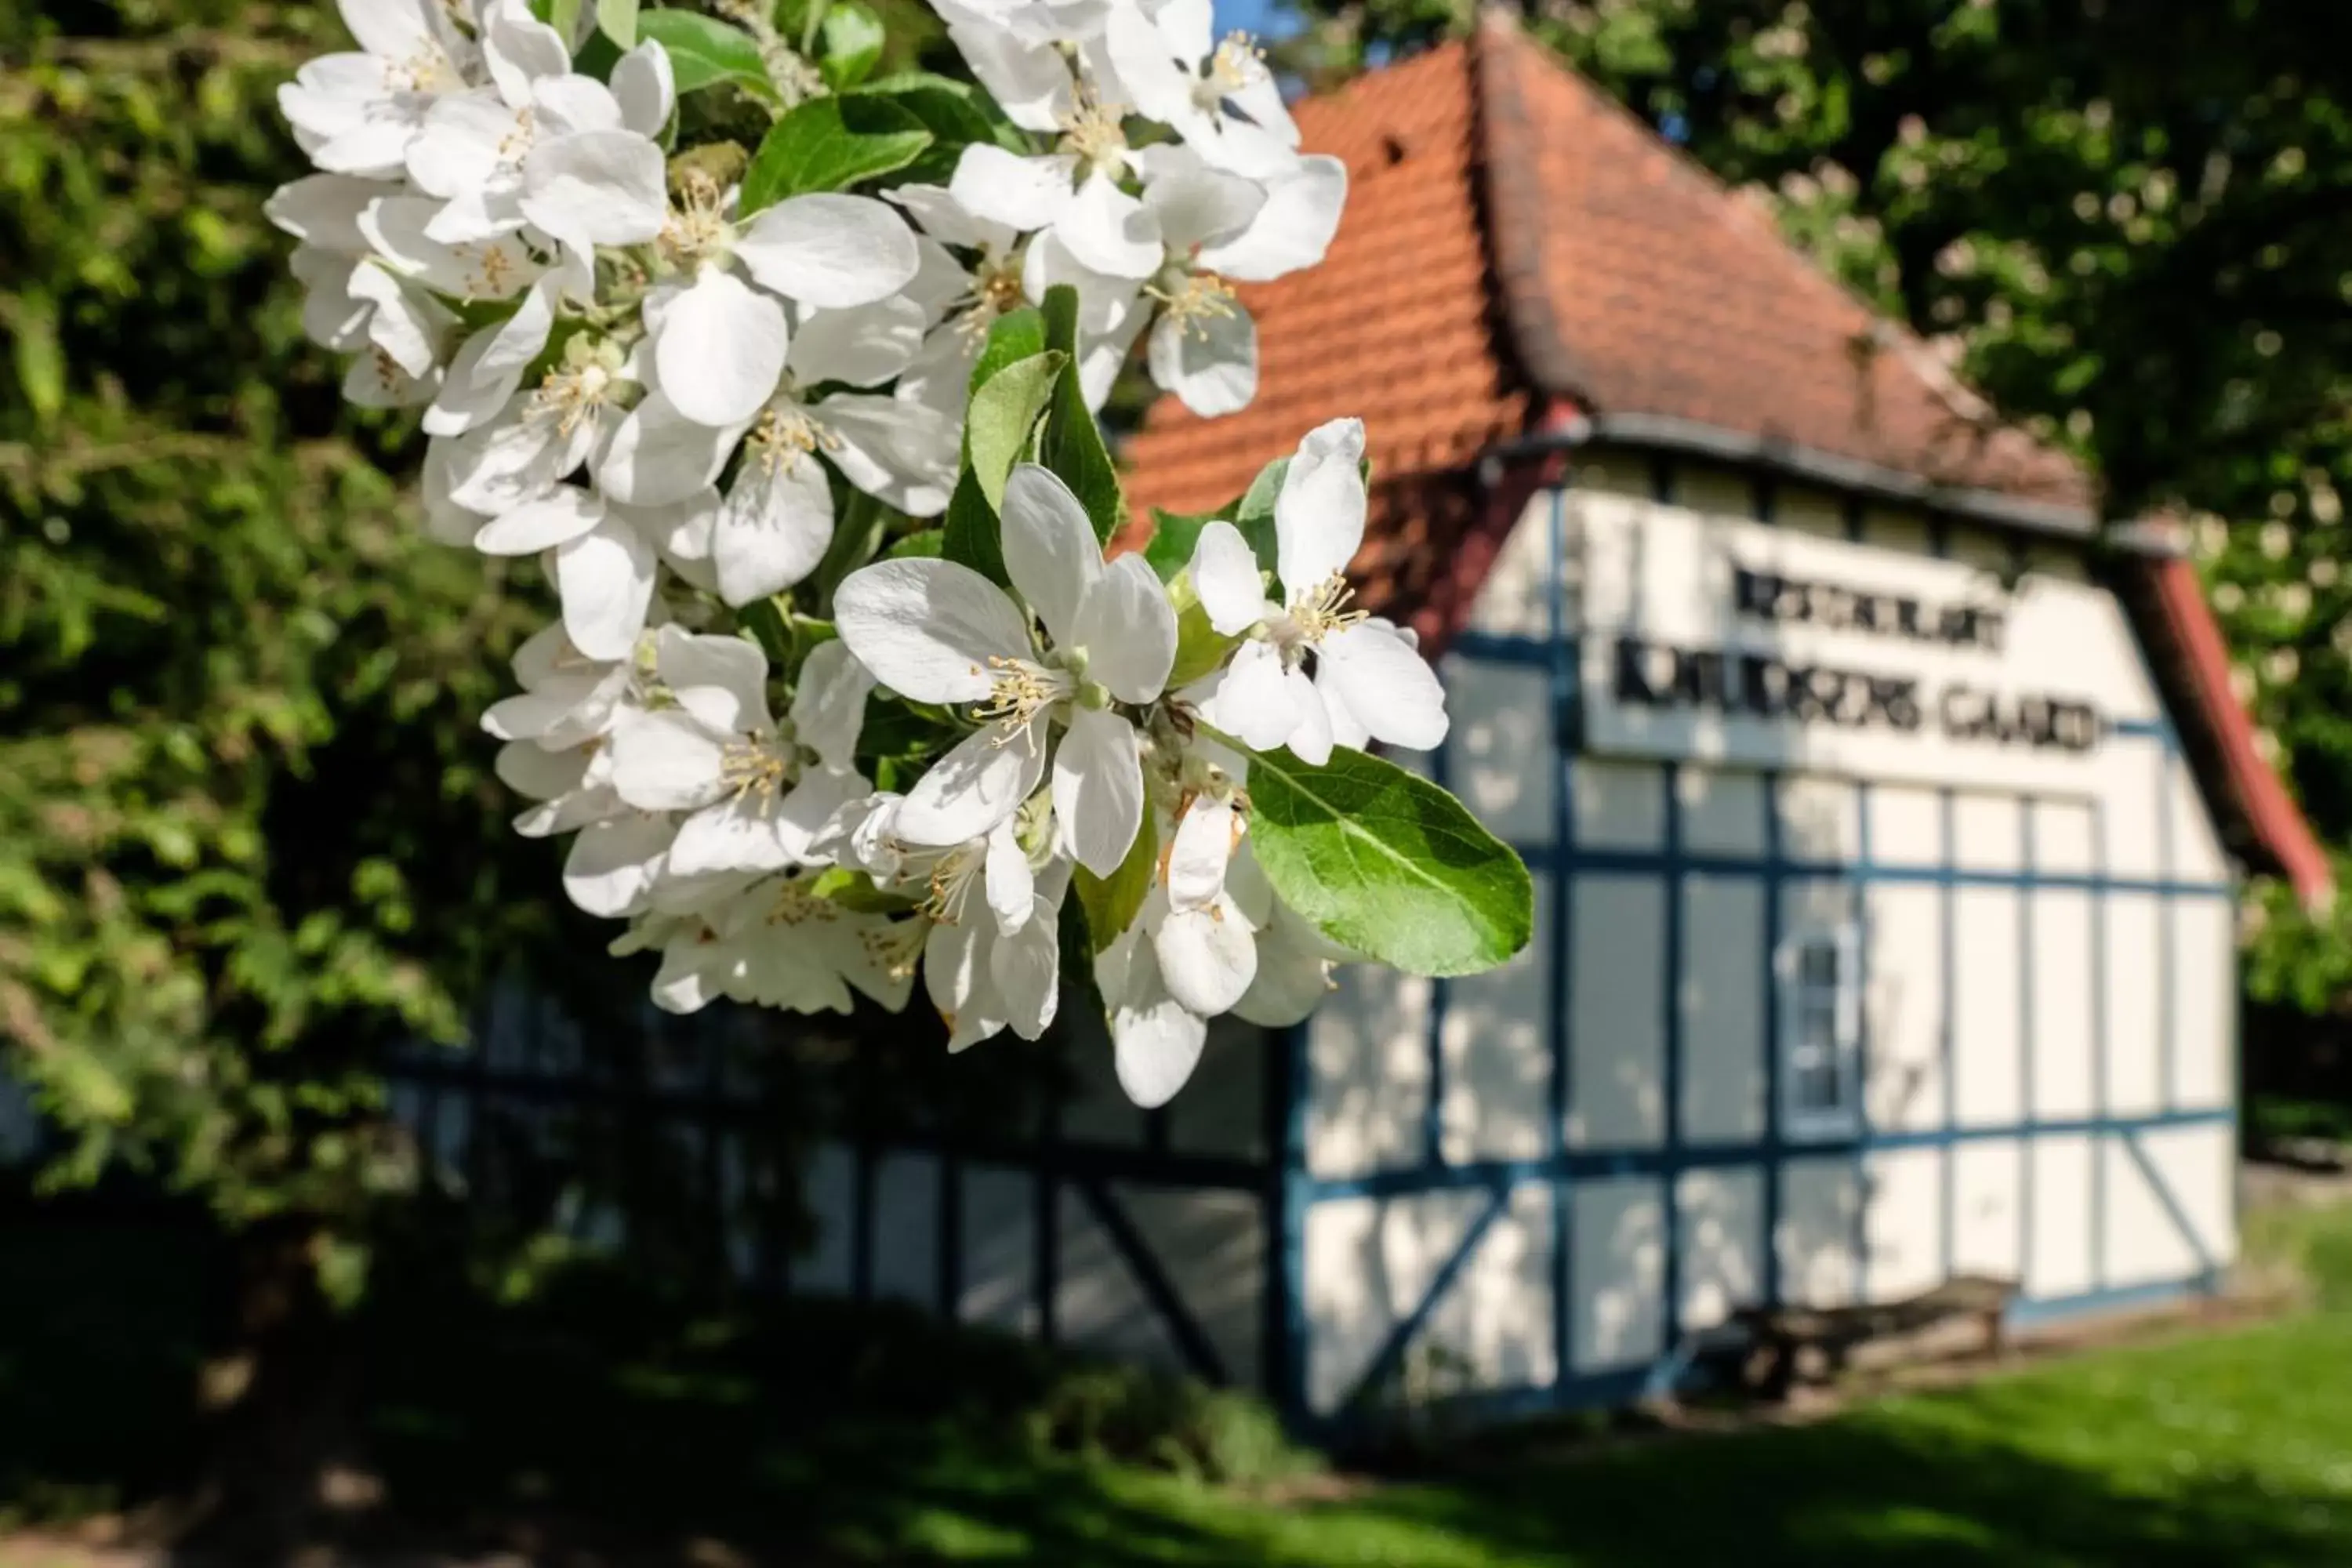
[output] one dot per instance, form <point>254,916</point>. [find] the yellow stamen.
<point>1019,691</point>
<point>570,396</point>
<point>786,434</point>
<point>696,226</point>
<point>1200,299</point>
<point>1238,63</point>
<point>1092,131</point>
<point>747,767</point>
<point>1324,609</point>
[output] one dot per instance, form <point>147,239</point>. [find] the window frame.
<point>1816,1124</point>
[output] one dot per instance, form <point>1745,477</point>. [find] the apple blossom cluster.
<point>844,688</point>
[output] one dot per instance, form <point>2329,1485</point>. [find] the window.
<point>1821,1034</point>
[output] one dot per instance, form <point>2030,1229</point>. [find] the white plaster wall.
<point>1368,1072</point>
<point>1499,757</point>
<point>1986,1006</point>
<point>1903,1009</point>
<point>2196,848</point>
<point>2204,1003</point>
<point>2064,837</point>
<point>1618,1257</point>
<point>1211,1248</point>
<point>1820,818</point>
<point>1987,1203</point>
<point>1722,1224</point>
<point>1905,1225</point>
<point>1515,599</point>
<point>1618,805</point>
<point>2146,1243</point>
<point>1222,1108</point>
<point>2134,1005</point>
<point>2131,797</point>
<point>907,1227</point>
<point>1494,1328</point>
<point>2058,1262</point>
<point>1368,1263</point>
<point>1722,996</point>
<point>1098,1304</point>
<point>1723,811</point>
<point>1617,1003</point>
<point>1497,1054</point>
<point>1804,510</point>
<point>1819,1207</point>
<point>823,1270</point>
<point>1987,832</point>
<point>1000,1249</point>
<point>1726,492</point>
<point>1907,825</point>
<point>2064,1041</point>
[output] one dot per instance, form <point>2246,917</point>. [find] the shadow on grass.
<point>602,1421</point>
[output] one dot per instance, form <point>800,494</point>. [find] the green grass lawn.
<point>800,1444</point>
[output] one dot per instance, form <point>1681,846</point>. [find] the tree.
<point>2130,224</point>
<point>248,833</point>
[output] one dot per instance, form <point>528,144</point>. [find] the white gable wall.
<point>2048,969</point>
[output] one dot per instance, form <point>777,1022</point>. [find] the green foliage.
<point>707,52</point>
<point>830,145</point>
<point>1385,862</point>
<point>248,830</point>
<point>1071,443</point>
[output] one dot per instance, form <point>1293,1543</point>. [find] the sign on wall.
<point>1725,640</point>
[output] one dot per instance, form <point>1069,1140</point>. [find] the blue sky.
<point>1245,15</point>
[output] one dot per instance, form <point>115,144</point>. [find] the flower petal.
<point>829,703</point>
<point>1028,80</point>
<point>1050,550</point>
<point>1098,788</point>
<point>1337,716</point>
<point>1156,1041</point>
<point>559,517</point>
<point>720,348</point>
<point>598,187</point>
<point>902,453</point>
<point>665,761</point>
<point>611,869</point>
<point>956,976</point>
<point>1294,229</point>
<point>808,809</point>
<point>737,834</point>
<point>1023,193</point>
<point>829,251</point>
<point>864,345</point>
<point>645,86</point>
<point>659,456</point>
<point>1207,956</point>
<point>1026,968</point>
<point>1203,848</point>
<point>721,681</point>
<point>605,579</point>
<point>772,530</point>
<point>1203,206</point>
<point>1253,702</point>
<point>974,786</point>
<point>1318,516</point>
<point>928,629</point>
<point>1107,230</point>
<point>1127,630</point>
<point>1011,886</point>
<point>1226,576</point>
<point>324,209</point>
<point>1210,362</point>
<point>1311,739</point>
<point>1386,685</point>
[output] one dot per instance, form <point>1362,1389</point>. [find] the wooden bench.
<point>1781,1337</point>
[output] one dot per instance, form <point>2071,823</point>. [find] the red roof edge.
<point>2193,659</point>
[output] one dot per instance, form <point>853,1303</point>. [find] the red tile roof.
<point>1518,253</point>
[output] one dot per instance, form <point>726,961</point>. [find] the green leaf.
<point>970,536</point>
<point>930,541</point>
<point>828,145</point>
<point>1387,863</point>
<point>1254,513</point>
<point>1003,413</point>
<point>1174,536</point>
<point>853,44</point>
<point>563,15</point>
<point>40,363</point>
<point>1015,336</point>
<point>707,52</point>
<point>1111,901</point>
<point>1073,442</point>
<point>617,20</point>
<point>1199,646</point>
